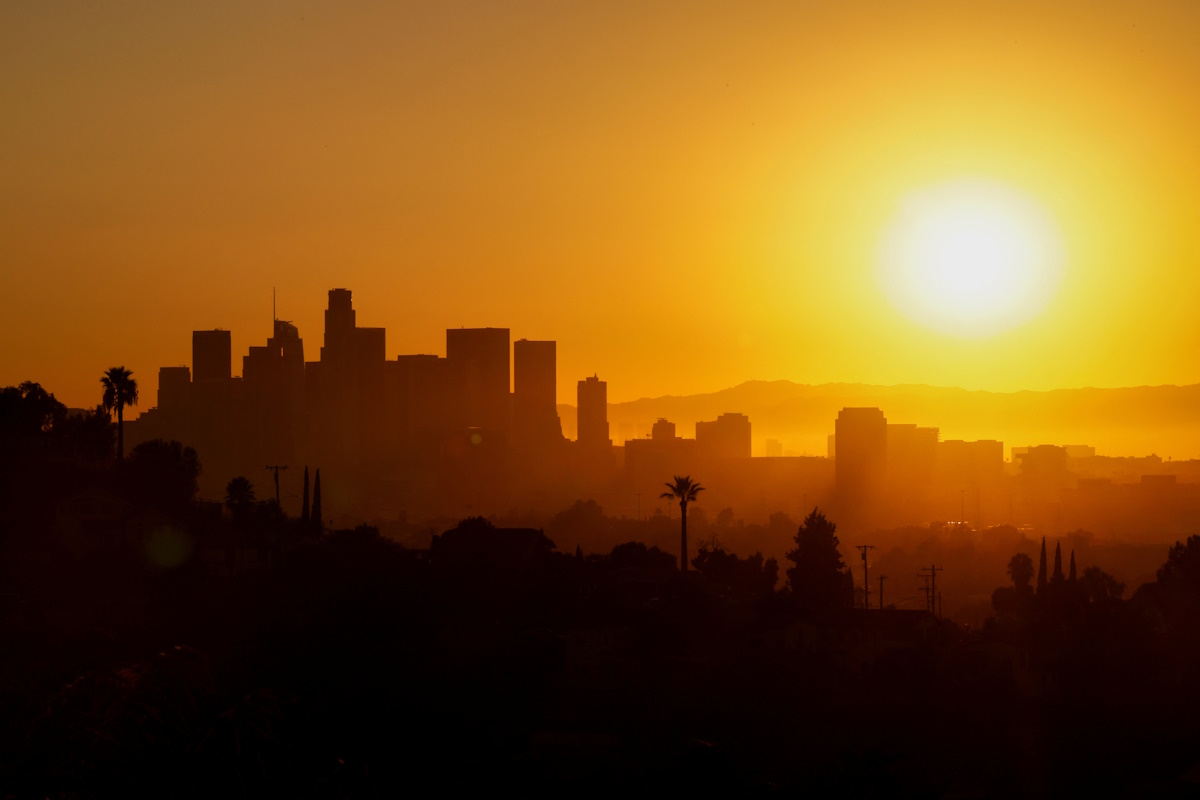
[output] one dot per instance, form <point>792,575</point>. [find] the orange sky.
<point>684,195</point>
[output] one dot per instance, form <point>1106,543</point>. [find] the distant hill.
<point>1127,421</point>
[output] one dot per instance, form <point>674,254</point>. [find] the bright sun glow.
<point>970,258</point>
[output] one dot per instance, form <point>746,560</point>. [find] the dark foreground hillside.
<point>352,667</point>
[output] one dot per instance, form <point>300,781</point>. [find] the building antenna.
<point>274,316</point>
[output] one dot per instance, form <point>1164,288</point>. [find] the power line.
<point>931,593</point>
<point>866,579</point>
<point>276,468</point>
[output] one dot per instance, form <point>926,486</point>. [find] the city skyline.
<point>1179,438</point>
<point>478,430</point>
<point>541,380</point>
<point>714,185</point>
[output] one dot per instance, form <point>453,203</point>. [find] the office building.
<point>535,413</point>
<point>593,413</point>
<point>174,391</point>
<point>726,437</point>
<point>861,451</point>
<point>479,362</point>
<point>212,356</point>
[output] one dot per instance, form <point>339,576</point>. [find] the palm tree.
<point>685,490</point>
<point>120,390</point>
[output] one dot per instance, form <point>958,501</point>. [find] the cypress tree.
<point>1071,577</point>
<point>1058,573</point>
<point>1041,584</point>
<point>316,502</point>
<point>304,499</point>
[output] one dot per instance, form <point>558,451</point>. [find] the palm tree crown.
<point>239,494</point>
<point>120,390</point>
<point>685,490</point>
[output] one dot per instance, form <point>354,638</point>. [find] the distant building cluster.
<point>427,437</point>
<point>890,474</point>
<point>476,430</point>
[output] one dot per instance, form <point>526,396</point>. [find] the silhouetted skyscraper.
<point>593,413</point>
<point>971,463</point>
<point>211,420</point>
<point>535,416</point>
<point>340,320</point>
<point>273,392</point>
<point>912,451</point>
<point>726,437</point>
<point>478,359</point>
<point>663,429</point>
<point>861,437</point>
<point>212,356</point>
<point>174,391</point>
<point>419,407</point>
<point>347,385</point>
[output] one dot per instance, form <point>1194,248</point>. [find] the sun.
<point>970,258</point>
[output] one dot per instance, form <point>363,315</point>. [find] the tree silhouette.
<point>239,495</point>
<point>685,490</point>
<point>28,413</point>
<point>740,577</point>
<point>1099,587</point>
<point>316,502</point>
<point>164,475</point>
<point>1015,602</point>
<point>120,390</point>
<point>304,513</point>
<point>638,557</point>
<point>1041,576</point>
<point>89,437</point>
<point>1183,564</point>
<point>818,579</point>
<point>1020,569</point>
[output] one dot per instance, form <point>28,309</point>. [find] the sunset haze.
<point>684,196</point>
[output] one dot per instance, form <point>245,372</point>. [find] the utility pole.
<point>276,468</point>
<point>933,570</point>
<point>939,605</point>
<point>639,501</point>
<point>866,580</point>
<point>925,589</point>
<point>881,577</point>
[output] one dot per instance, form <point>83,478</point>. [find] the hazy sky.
<point>684,195</point>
